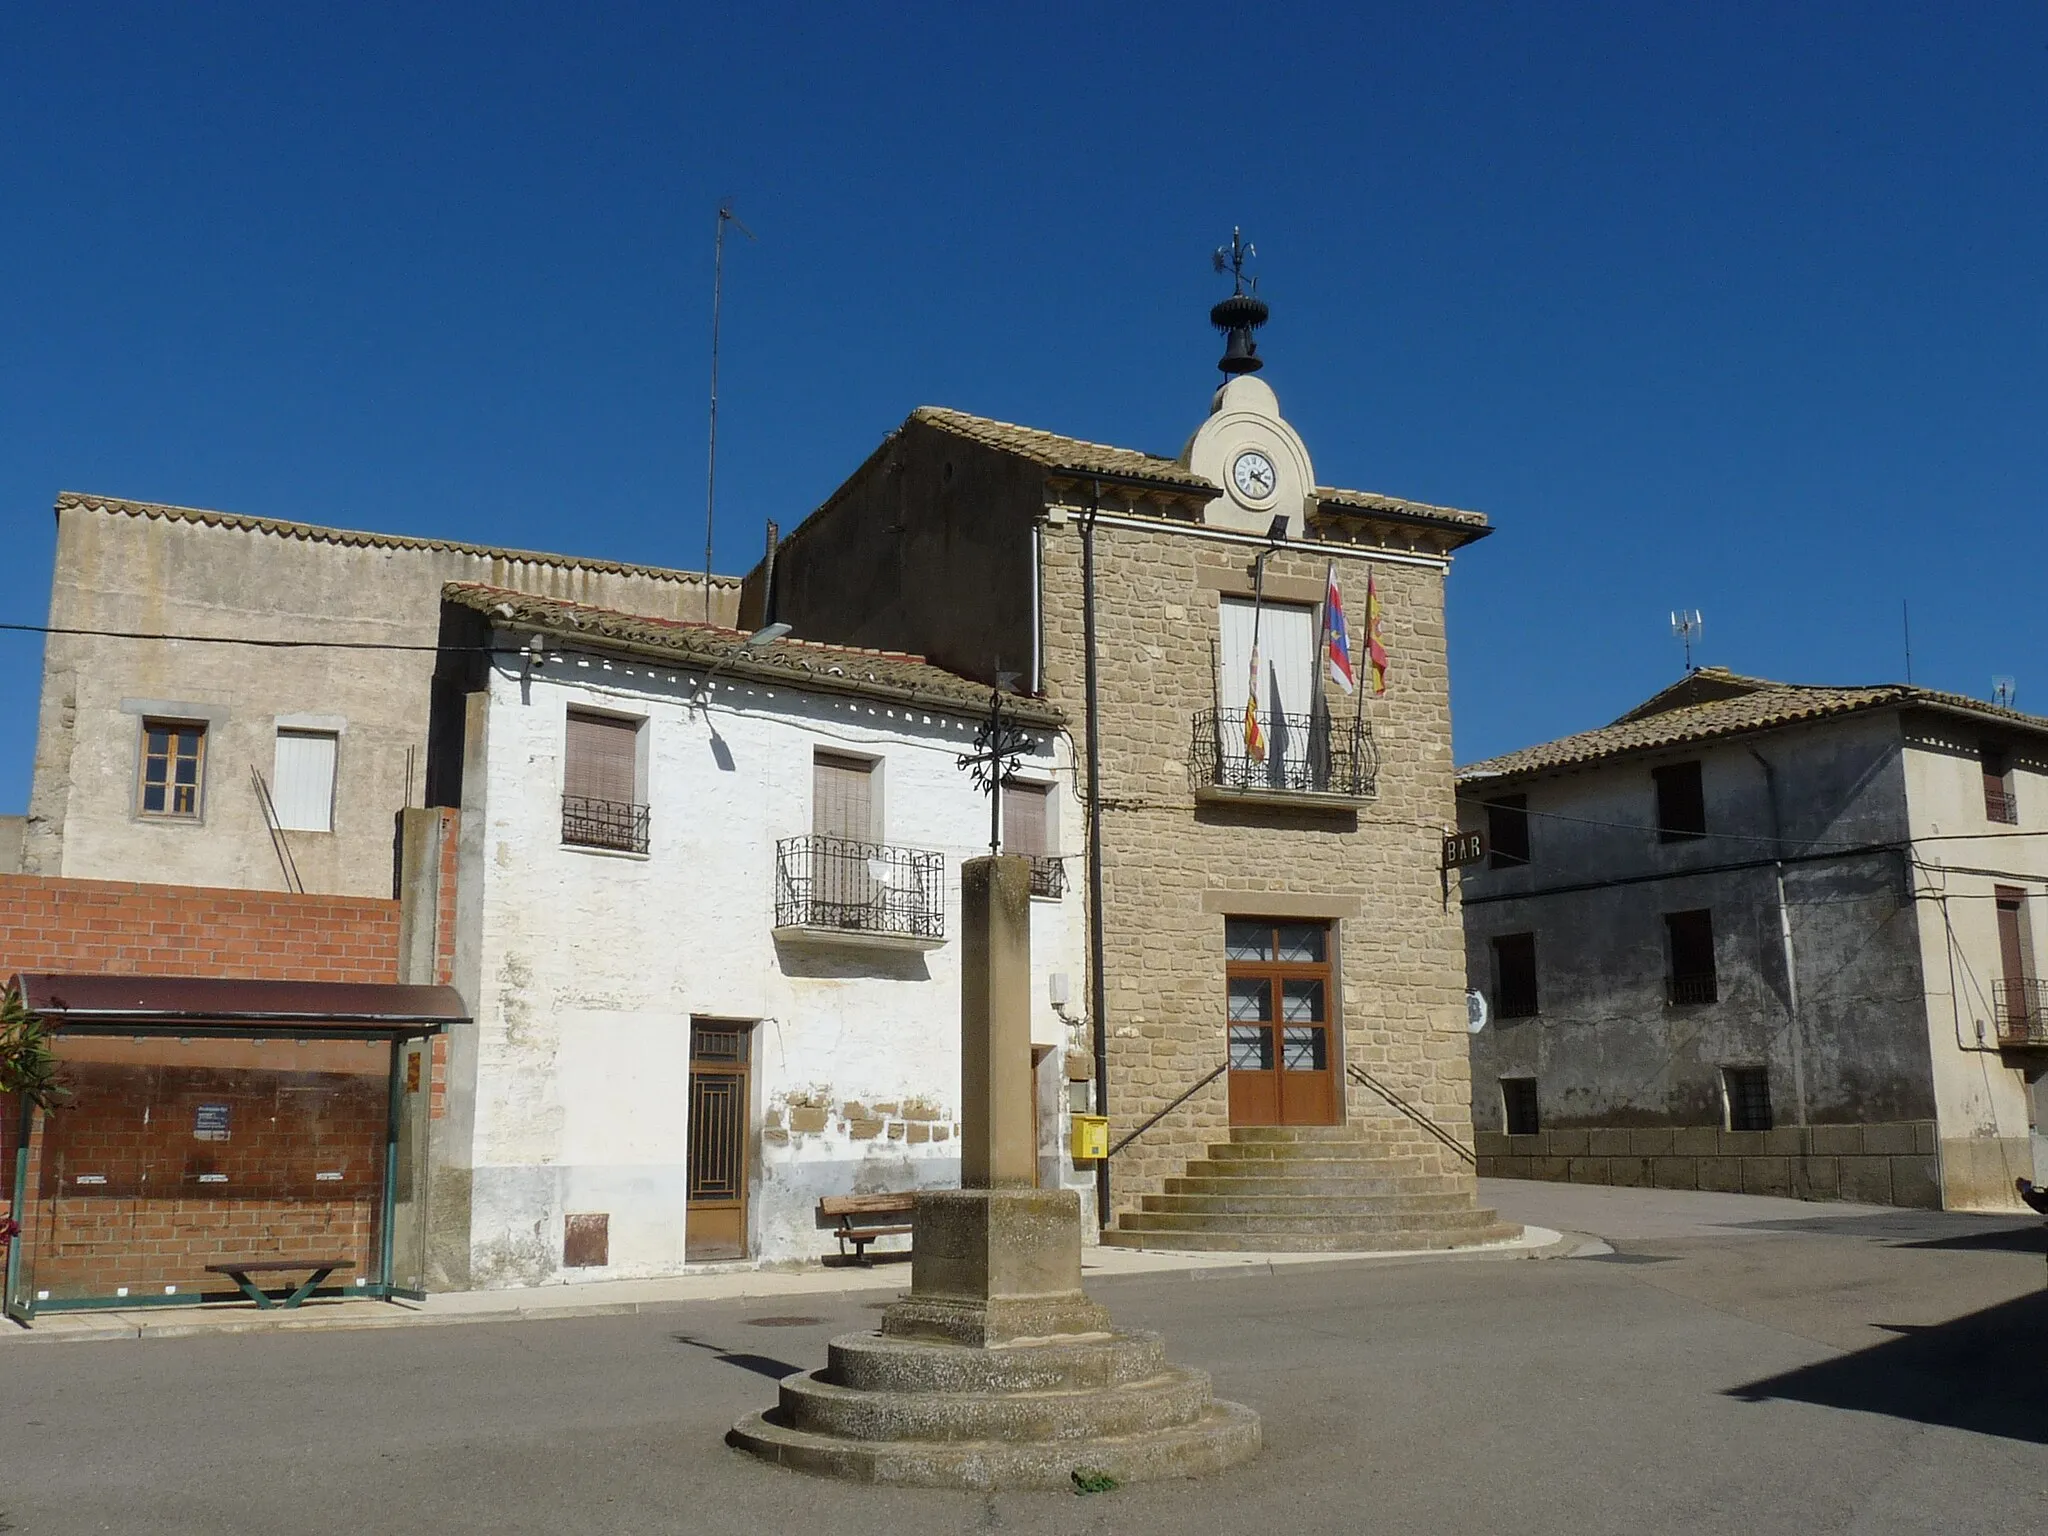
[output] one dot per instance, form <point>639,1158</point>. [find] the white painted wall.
<point>589,965</point>
<point>1980,1094</point>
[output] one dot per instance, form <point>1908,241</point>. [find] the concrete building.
<point>1276,964</point>
<point>1756,936</point>
<point>706,901</point>
<point>149,751</point>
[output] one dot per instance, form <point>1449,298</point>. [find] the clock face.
<point>1254,475</point>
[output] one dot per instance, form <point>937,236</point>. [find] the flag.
<point>1254,738</point>
<point>1375,647</point>
<point>1340,637</point>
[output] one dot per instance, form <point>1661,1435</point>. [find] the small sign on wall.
<point>412,1071</point>
<point>210,1122</point>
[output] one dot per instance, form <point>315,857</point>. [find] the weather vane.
<point>997,746</point>
<point>1232,257</point>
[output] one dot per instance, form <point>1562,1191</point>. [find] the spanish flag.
<point>1375,646</point>
<point>1254,737</point>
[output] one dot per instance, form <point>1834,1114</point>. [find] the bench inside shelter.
<point>315,1271</point>
<point>860,1219</point>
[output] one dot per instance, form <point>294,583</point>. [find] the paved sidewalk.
<point>612,1298</point>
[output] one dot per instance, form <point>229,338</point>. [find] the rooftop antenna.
<point>1686,624</point>
<point>725,216</point>
<point>1906,624</point>
<point>2003,691</point>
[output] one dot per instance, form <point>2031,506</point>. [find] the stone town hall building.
<point>1278,959</point>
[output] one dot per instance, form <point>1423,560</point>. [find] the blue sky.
<point>1737,307</point>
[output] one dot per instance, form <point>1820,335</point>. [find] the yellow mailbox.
<point>1090,1138</point>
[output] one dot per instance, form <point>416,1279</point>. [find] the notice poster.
<point>210,1123</point>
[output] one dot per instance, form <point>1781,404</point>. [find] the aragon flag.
<point>1375,646</point>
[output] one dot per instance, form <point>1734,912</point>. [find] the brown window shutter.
<point>842,797</point>
<point>1024,819</point>
<point>2012,948</point>
<point>603,760</point>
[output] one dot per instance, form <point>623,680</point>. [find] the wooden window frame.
<point>1508,1004</point>
<point>173,728</point>
<point>1681,787</point>
<point>603,824</point>
<point>1507,812</point>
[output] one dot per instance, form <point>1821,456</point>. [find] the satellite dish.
<point>1475,1011</point>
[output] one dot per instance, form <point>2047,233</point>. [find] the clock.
<point>1254,475</point>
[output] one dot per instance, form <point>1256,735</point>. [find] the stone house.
<point>706,898</point>
<point>277,765</point>
<point>1275,962</point>
<point>1765,937</point>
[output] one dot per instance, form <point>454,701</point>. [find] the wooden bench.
<point>240,1270</point>
<point>863,1218</point>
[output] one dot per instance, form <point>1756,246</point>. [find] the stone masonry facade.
<point>1173,869</point>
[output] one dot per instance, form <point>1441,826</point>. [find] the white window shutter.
<point>302,789</point>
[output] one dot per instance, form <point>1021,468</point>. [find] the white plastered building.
<point>708,919</point>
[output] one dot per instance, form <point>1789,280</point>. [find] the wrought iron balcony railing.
<point>2019,1006</point>
<point>1686,990</point>
<point>1048,876</point>
<point>1999,805</point>
<point>837,885</point>
<point>1304,755</point>
<point>610,824</point>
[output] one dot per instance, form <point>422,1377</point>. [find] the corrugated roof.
<point>1715,703</point>
<point>94,998</point>
<point>355,537</point>
<point>790,661</point>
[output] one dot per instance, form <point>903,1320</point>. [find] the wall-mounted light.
<point>759,639</point>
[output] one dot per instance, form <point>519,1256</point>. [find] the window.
<point>1027,829</point>
<point>302,789</point>
<point>1518,1106</point>
<point>843,797</point>
<point>1681,803</point>
<point>1514,976</point>
<point>1998,801</point>
<point>1507,831</point>
<point>173,760</point>
<point>2016,995</point>
<point>1690,942</point>
<point>602,803</point>
<point>1747,1091</point>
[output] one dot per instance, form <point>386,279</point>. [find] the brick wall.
<point>153,1223</point>
<point>120,928</point>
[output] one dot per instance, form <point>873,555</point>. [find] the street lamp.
<point>758,640</point>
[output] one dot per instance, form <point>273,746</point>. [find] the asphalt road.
<point>1724,1368</point>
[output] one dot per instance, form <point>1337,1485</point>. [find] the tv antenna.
<point>2003,691</point>
<point>725,216</point>
<point>1687,624</point>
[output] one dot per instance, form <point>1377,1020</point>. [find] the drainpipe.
<point>1098,991</point>
<point>1785,939</point>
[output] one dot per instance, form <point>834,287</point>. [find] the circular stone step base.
<point>873,1362</point>
<point>1173,1397</point>
<point>1223,1437</point>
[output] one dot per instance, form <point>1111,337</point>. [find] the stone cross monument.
<point>996,1370</point>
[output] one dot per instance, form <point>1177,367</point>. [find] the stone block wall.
<point>1173,868</point>
<point>1886,1164</point>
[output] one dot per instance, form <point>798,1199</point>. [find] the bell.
<point>1240,352</point>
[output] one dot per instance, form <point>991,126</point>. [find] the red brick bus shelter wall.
<point>170,1193</point>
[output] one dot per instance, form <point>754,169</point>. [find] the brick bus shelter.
<point>217,1129</point>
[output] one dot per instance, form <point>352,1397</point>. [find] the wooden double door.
<point>1283,1047</point>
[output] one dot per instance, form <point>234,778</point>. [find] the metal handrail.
<point>617,825</point>
<point>1220,1068</point>
<point>1364,1078</point>
<point>1688,991</point>
<point>836,883</point>
<point>1304,754</point>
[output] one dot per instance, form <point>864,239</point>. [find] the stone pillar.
<point>995,1261</point>
<point>998,1142</point>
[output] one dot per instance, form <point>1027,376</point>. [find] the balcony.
<point>1690,991</point>
<point>1310,761</point>
<point>2019,1007</point>
<point>831,890</point>
<point>609,824</point>
<point>2000,806</point>
<point>1048,876</point>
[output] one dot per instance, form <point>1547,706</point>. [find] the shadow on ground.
<point>760,1365</point>
<point>1982,1372</point>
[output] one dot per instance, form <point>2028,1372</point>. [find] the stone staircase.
<point>1358,1188</point>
